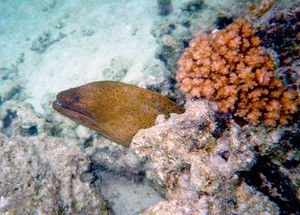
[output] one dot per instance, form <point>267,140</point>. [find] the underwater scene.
<point>151,107</point>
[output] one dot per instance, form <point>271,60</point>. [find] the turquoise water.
<point>51,45</point>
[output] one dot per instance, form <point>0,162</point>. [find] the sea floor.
<point>62,44</point>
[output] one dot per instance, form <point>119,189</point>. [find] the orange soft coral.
<point>231,68</point>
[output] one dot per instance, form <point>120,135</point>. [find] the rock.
<point>40,174</point>
<point>112,157</point>
<point>197,171</point>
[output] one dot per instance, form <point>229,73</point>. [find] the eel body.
<point>115,109</point>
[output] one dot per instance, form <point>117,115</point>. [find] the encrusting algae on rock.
<point>231,68</point>
<point>115,109</point>
<point>196,170</point>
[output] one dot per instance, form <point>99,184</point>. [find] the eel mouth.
<point>64,109</point>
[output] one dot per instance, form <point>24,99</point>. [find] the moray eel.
<point>115,109</point>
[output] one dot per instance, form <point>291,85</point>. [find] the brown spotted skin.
<point>115,109</point>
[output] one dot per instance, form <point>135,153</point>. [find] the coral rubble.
<point>196,171</point>
<point>230,67</point>
<point>43,42</point>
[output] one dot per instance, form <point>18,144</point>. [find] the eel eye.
<point>75,100</point>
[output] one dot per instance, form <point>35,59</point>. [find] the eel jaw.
<point>71,112</point>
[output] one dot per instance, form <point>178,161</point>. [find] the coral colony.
<point>230,67</point>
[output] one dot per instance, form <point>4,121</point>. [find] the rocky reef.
<point>196,162</point>
<point>39,173</point>
<point>208,162</point>
<point>200,161</point>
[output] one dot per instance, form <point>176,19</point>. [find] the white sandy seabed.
<point>85,36</point>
